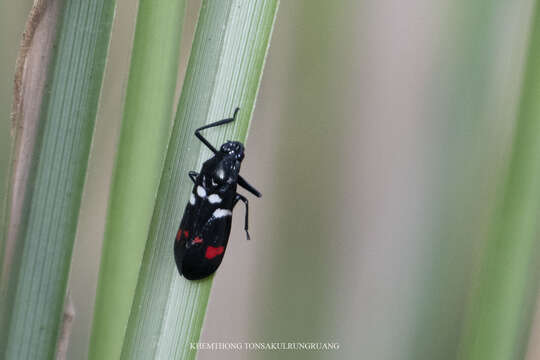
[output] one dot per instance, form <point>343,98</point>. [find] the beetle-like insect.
<point>205,227</point>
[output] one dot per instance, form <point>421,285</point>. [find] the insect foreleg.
<point>193,176</point>
<point>243,183</point>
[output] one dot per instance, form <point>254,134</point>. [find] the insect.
<point>204,230</point>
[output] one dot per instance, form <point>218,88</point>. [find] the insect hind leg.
<point>246,202</point>
<point>214,124</point>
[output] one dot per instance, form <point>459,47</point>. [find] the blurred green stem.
<point>505,287</point>
<point>145,131</point>
<point>224,71</point>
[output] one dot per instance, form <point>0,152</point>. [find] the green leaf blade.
<point>224,71</point>
<point>144,135</point>
<point>505,287</point>
<point>34,283</point>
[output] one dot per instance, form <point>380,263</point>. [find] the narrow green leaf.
<point>145,132</point>
<point>44,203</point>
<point>502,303</point>
<point>224,71</point>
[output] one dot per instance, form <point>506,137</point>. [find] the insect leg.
<point>193,176</point>
<point>245,201</point>
<point>243,183</point>
<point>217,123</point>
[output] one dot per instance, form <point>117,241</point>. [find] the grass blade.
<point>145,132</point>
<point>505,287</point>
<point>224,71</point>
<point>44,207</point>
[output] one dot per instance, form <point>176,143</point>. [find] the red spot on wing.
<point>212,252</point>
<point>197,240</point>
<point>179,235</point>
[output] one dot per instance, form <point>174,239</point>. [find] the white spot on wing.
<point>221,213</point>
<point>192,199</point>
<point>200,191</point>
<point>214,199</point>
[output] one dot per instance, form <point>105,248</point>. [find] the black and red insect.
<point>202,238</point>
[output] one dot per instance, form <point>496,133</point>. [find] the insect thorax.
<point>221,172</point>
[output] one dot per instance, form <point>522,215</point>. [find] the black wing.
<point>204,232</point>
<point>203,251</point>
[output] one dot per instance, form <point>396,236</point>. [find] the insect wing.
<point>204,251</point>
<point>188,226</point>
<point>204,231</point>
